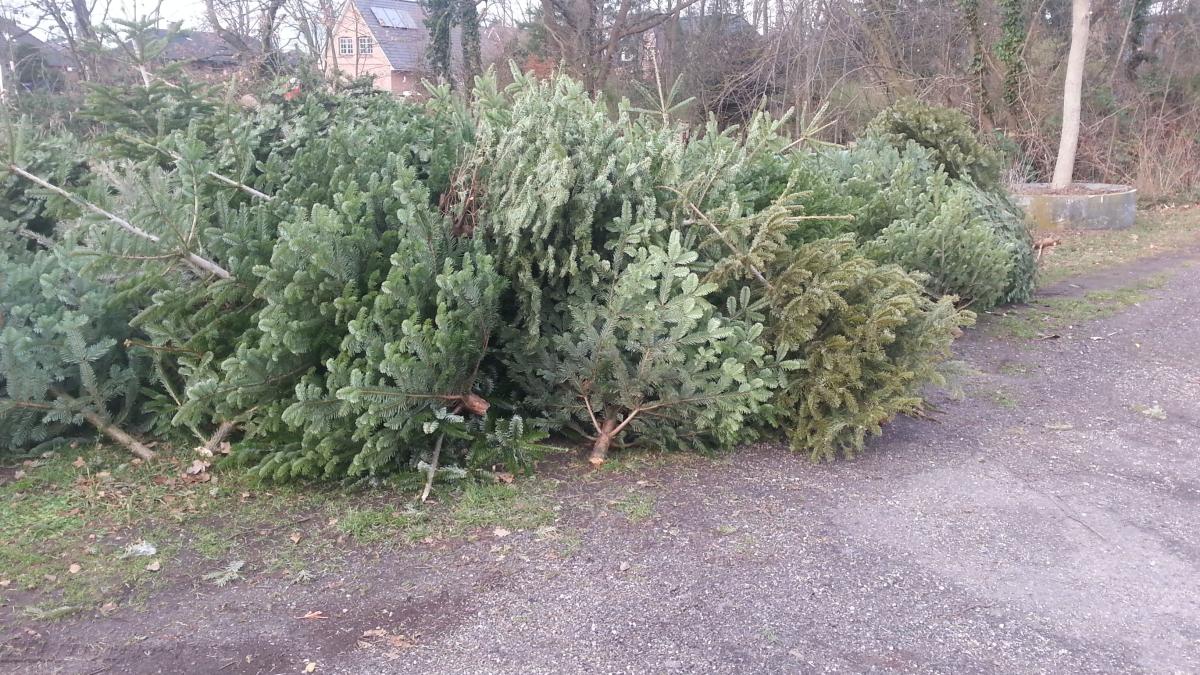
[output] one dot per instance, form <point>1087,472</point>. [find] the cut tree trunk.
<point>132,444</point>
<point>103,426</point>
<point>600,448</point>
<point>1064,167</point>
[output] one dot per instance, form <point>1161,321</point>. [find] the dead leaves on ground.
<point>391,645</point>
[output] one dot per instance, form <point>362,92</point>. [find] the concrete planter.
<point>1091,206</point>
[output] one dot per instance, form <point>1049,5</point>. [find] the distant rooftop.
<point>196,45</point>
<point>399,29</point>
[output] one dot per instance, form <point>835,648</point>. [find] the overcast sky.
<point>187,11</point>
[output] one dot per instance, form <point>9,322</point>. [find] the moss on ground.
<point>1155,232</point>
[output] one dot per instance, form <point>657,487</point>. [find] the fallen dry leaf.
<point>295,537</point>
<point>500,532</point>
<point>154,566</point>
<point>310,667</point>
<point>505,477</point>
<point>316,614</point>
<point>5,583</point>
<point>108,608</point>
<point>375,632</point>
<point>399,641</point>
<point>79,463</point>
<point>202,477</point>
<point>198,466</point>
<point>75,568</point>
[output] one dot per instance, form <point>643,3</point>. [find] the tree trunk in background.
<point>1072,93</point>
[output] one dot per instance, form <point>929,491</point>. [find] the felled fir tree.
<point>646,358</point>
<point>861,339</point>
<point>62,362</point>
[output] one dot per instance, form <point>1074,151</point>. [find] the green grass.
<point>84,507</point>
<point>1155,232</point>
<point>369,525</point>
<point>1016,368</point>
<point>1054,315</point>
<point>1001,398</point>
<point>513,507</point>
<point>638,507</point>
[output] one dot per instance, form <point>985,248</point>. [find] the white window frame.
<point>365,45</point>
<point>345,46</point>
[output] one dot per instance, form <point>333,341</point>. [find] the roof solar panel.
<point>393,18</point>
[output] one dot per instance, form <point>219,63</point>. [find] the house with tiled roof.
<point>385,39</point>
<point>29,62</point>
<point>202,53</point>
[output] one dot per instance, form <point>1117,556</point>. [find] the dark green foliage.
<point>946,133</point>
<point>352,285</point>
<point>1011,46</point>
<point>441,17</point>
<point>1008,222</point>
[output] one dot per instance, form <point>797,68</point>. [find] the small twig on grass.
<point>437,449</point>
<point>433,464</point>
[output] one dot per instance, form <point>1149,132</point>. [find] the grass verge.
<point>1050,317</point>
<point>70,522</point>
<point>1156,231</point>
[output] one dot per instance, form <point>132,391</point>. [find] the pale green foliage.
<point>946,133</point>
<point>958,251</point>
<point>882,183</point>
<point>548,162</point>
<point>970,242</point>
<point>645,349</point>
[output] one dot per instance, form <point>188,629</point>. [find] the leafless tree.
<point>313,23</point>
<point>250,27</point>
<point>588,33</point>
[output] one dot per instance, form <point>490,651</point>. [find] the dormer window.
<point>345,46</point>
<point>364,44</point>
